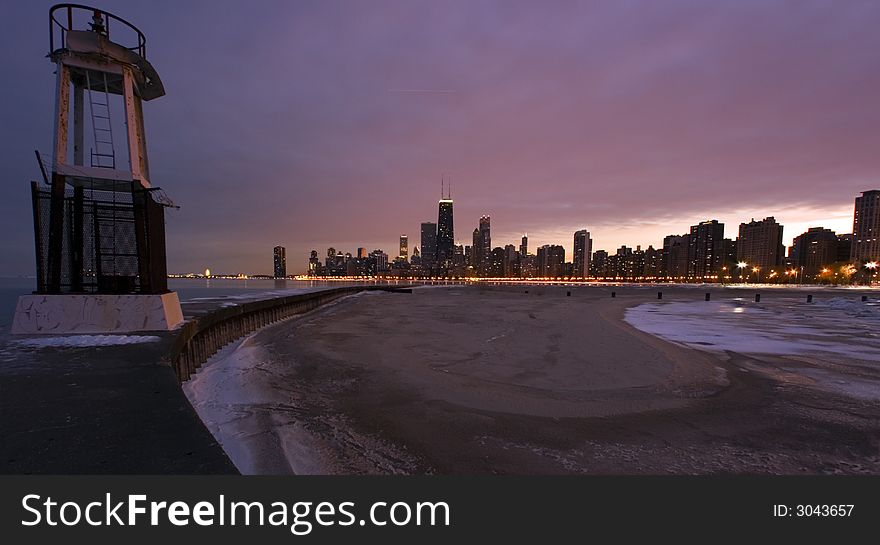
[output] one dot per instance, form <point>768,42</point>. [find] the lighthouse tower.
<point>99,220</point>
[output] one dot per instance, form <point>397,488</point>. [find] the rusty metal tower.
<point>98,220</point>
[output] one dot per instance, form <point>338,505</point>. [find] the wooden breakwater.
<point>200,338</point>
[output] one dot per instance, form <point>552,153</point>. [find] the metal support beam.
<point>132,125</point>
<point>38,239</point>
<point>149,218</point>
<point>76,241</point>
<point>62,113</point>
<point>56,234</point>
<point>142,137</point>
<point>78,125</point>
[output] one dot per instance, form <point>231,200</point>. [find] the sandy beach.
<point>491,379</point>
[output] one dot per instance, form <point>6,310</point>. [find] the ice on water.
<point>842,326</point>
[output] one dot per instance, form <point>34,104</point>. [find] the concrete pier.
<point>120,409</point>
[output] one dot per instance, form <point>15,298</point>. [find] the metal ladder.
<point>103,154</point>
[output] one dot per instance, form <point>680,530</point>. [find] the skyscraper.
<point>445,233</point>
<point>378,261</point>
<point>476,250</point>
<point>485,242</point>
<point>511,261</point>
<point>495,267</point>
<point>705,250</point>
<point>280,261</point>
<point>362,253</point>
<point>760,244</point>
<point>458,259</point>
<point>314,263</point>
<point>599,264</point>
<point>528,266</point>
<point>583,250</point>
<point>653,259</point>
<point>555,260</point>
<point>551,259</point>
<point>675,256</point>
<point>621,263</point>
<point>541,260</point>
<point>404,248</point>
<point>844,246</point>
<point>812,251</point>
<point>729,260</point>
<point>330,260</point>
<point>429,244</point>
<point>524,246</point>
<point>866,228</point>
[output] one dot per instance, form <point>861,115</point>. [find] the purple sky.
<point>302,124</point>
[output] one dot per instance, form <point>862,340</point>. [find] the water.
<point>196,288</point>
<point>188,289</point>
<point>10,290</point>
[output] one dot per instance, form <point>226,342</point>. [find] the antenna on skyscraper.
<point>449,189</point>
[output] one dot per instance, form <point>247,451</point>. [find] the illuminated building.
<point>476,250</point>
<point>812,251</point>
<point>760,244</point>
<point>314,263</point>
<point>429,244</point>
<point>495,267</point>
<point>674,259</point>
<point>511,262</point>
<point>377,262</point>
<point>416,258</point>
<point>280,262</point>
<point>866,229</point>
<point>445,233</point>
<point>599,264</point>
<point>652,263</point>
<point>551,260</point>
<point>404,248</point>
<point>583,250</point>
<point>485,245</point>
<point>705,250</point>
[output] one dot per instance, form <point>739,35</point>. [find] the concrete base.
<point>66,314</point>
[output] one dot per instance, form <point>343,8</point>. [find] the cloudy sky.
<point>313,124</point>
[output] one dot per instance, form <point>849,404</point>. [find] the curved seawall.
<point>200,338</point>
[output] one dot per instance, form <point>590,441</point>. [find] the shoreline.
<point>326,401</point>
<point>346,410</point>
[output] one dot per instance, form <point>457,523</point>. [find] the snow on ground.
<point>841,326</point>
<point>242,400</point>
<point>838,338</point>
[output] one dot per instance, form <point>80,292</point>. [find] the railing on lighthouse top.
<point>66,17</point>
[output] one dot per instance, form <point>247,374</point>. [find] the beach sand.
<point>473,380</point>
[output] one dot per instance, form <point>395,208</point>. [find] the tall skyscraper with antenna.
<point>445,232</point>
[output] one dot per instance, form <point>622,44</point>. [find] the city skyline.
<point>635,115</point>
<point>705,252</point>
<point>731,220</point>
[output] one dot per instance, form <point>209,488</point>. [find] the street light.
<point>872,268</point>
<point>742,265</point>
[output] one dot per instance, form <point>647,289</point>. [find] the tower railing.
<point>66,17</point>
